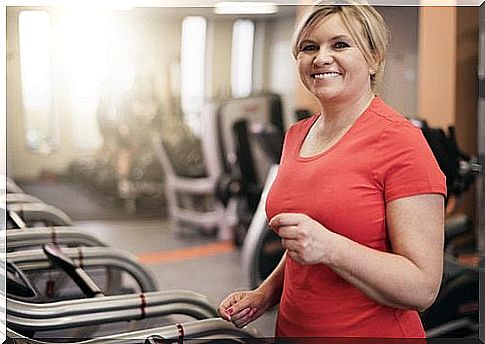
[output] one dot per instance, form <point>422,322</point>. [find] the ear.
<point>374,65</point>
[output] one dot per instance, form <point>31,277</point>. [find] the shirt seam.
<point>373,175</point>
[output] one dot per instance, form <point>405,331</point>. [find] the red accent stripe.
<point>181,333</point>
<point>143,305</point>
<point>53,235</point>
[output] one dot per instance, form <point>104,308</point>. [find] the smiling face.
<point>330,63</point>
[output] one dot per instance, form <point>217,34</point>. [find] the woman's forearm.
<point>272,286</point>
<point>408,277</point>
<point>387,278</point>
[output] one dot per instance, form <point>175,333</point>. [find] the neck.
<point>341,115</point>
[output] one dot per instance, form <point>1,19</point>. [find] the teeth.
<point>326,75</point>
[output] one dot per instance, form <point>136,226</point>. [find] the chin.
<point>327,96</point>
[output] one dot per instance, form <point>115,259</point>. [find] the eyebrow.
<point>341,37</point>
<point>345,37</point>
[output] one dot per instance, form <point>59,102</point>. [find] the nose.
<point>323,57</point>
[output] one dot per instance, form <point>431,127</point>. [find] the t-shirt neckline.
<point>344,138</point>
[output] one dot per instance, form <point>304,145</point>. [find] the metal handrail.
<point>10,186</point>
<point>89,257</point>
<point>204,330</point>
<point>40,212</point>
<point>109,309</point>
<point>11,198</point>
<point>31,237</point>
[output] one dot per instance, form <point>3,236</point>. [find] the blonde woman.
<point>358,200</point>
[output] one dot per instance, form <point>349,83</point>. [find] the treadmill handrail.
<point>200,329</point>
<point>94,311</point>
<point>10,186</point>
<point>112,316</point>
<point>35,210</point>
<point>20,197</point>
<point>28,237</point>
<point>89,257</point>
<point>107,303</point>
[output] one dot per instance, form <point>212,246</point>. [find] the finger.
<point>237,307</point>
<point>285,219</point>
<point>232,299</point>
<point>236,317</point>
<point>222,312</point>
<point>290,245</point>
<point>246,319</point>
<point>289,232</point>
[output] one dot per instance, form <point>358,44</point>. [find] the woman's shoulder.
<point>392,121</point>
<point>387,113</point>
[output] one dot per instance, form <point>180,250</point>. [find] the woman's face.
<point>330,64</point>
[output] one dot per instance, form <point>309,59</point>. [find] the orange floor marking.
<point>186,253</point>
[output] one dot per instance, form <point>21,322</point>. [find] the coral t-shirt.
<point>382,157</point>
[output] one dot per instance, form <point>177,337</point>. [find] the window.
<point>242,58</point>
<point>192,66</point>
<point>85,55</point>
<point>35,65</point>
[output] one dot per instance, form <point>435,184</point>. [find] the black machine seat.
<point>17,283</point>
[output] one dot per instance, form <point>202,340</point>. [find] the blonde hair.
<point>372,37</point>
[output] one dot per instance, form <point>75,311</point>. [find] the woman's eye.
<point>309,47</point>
<point>341,45</point>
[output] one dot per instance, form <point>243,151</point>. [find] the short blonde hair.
<point>372,38</point>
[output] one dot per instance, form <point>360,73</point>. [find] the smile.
<point>326,75</point>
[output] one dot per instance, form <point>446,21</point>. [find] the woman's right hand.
<point>243,307</point>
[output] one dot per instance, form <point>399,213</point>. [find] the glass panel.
<point>242,58</point>
<point>35,66</point>
<point>85,55</point>
<point>193,69</point>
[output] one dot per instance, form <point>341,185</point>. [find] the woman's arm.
<point>409,277</point>
<point>242,307</point>
<point>273,284</point>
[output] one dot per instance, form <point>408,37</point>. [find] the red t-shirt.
<point>382,157</point>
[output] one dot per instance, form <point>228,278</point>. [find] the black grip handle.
<point>155,340</point>
<point>78,275</point>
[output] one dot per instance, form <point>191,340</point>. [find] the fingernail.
<point>230,310</point>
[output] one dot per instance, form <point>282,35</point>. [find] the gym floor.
<point>190,261</point>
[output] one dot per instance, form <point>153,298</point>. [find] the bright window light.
<point>242,58</point>
<point>85,53</point>
<point>192,68</point>
<point>245,7</point>
<point>34,40</point>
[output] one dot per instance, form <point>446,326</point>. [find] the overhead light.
<point>245,7</point>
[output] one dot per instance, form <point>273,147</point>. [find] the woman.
<point>358,200</point>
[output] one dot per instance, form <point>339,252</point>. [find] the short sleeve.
<point>404,164</point>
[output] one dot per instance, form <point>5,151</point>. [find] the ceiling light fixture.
<point>245,7</point>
